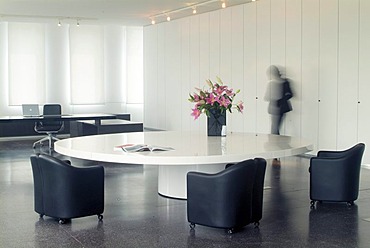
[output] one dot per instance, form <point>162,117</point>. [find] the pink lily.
<point>211,99</point>
<point>224,101</point>
<point>196,113</point>
<point>240,106</point>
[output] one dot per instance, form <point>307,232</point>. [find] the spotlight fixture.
<point>59,24</point>
<point>168,18</point>
<point>153,21</point>
<point>223,5</point>
<point>194,10</point>
<point>78,23</point>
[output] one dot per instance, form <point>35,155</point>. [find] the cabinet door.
<point>263,62</point>
<point>250,68</point>
<point>348,46</point>
<point>364,75</point>
<point>328,75</point>
<point>310,71</point>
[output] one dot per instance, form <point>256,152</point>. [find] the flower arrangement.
<point>218,97</point>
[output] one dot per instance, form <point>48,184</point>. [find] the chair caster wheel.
<point>62,221</point>
<point>230,230</point>
<point>312,204</point>
<point>192,226</point>
<point>100,217</point>
<point>256,224</point>
<point>41,216</point>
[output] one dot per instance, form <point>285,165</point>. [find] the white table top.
<point>190,147</point>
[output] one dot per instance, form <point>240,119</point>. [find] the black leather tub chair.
<point>335,175</point>
<point>63,191</point>
<point>230,199</point>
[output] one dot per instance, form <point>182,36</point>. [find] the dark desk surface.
<point>24,126</point>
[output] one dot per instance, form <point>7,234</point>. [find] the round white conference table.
<point>193,151</point>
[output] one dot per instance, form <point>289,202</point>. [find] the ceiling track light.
<point>60,19</point>
<point>165,15</point>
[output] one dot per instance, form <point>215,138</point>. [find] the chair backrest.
<point>258,187</point>
<point>356,152</point>
<point>223,199</point>
<point>52,109</point>
<point>62,190</point>
<point>48,175</point>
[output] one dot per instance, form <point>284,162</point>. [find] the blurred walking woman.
<point>278,93</point>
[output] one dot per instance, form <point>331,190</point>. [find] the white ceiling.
<point>123,12</point>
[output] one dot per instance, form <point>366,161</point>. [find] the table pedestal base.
<point>172,179</point>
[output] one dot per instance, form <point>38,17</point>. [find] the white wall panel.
<point>348,73</point>
<point>214,44</point>
<point>195,79</point>
<point>225,51</point>
<point>236,120</point>
<point>204,49</point>
<point>225,45</point>
<point>328,75</point>
<point>160,110</point>
<point>250,67</point>
<point>294,64</point>
<point>263,61</point>
<point>364,75</point>
<point>310,70</point>
<point>278,33</point>
<point>186,86</point>
<point>173,64</point>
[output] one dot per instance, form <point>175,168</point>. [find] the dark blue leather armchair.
<point>64,191</point>
<point>229,199</point>
<point>335,175</point>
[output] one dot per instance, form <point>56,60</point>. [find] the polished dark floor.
<point>136,216</point>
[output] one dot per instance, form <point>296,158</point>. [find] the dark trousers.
<point>276,121</point>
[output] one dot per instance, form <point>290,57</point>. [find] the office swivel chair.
<point>49,124</point>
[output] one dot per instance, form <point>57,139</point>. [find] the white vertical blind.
<point>87,64</point>
<point>26,63</point>
<point>135,76</point>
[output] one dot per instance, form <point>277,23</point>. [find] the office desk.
<point>194,151</point>
<point>23,126</point>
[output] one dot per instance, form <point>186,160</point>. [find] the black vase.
<point>215,121</point>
